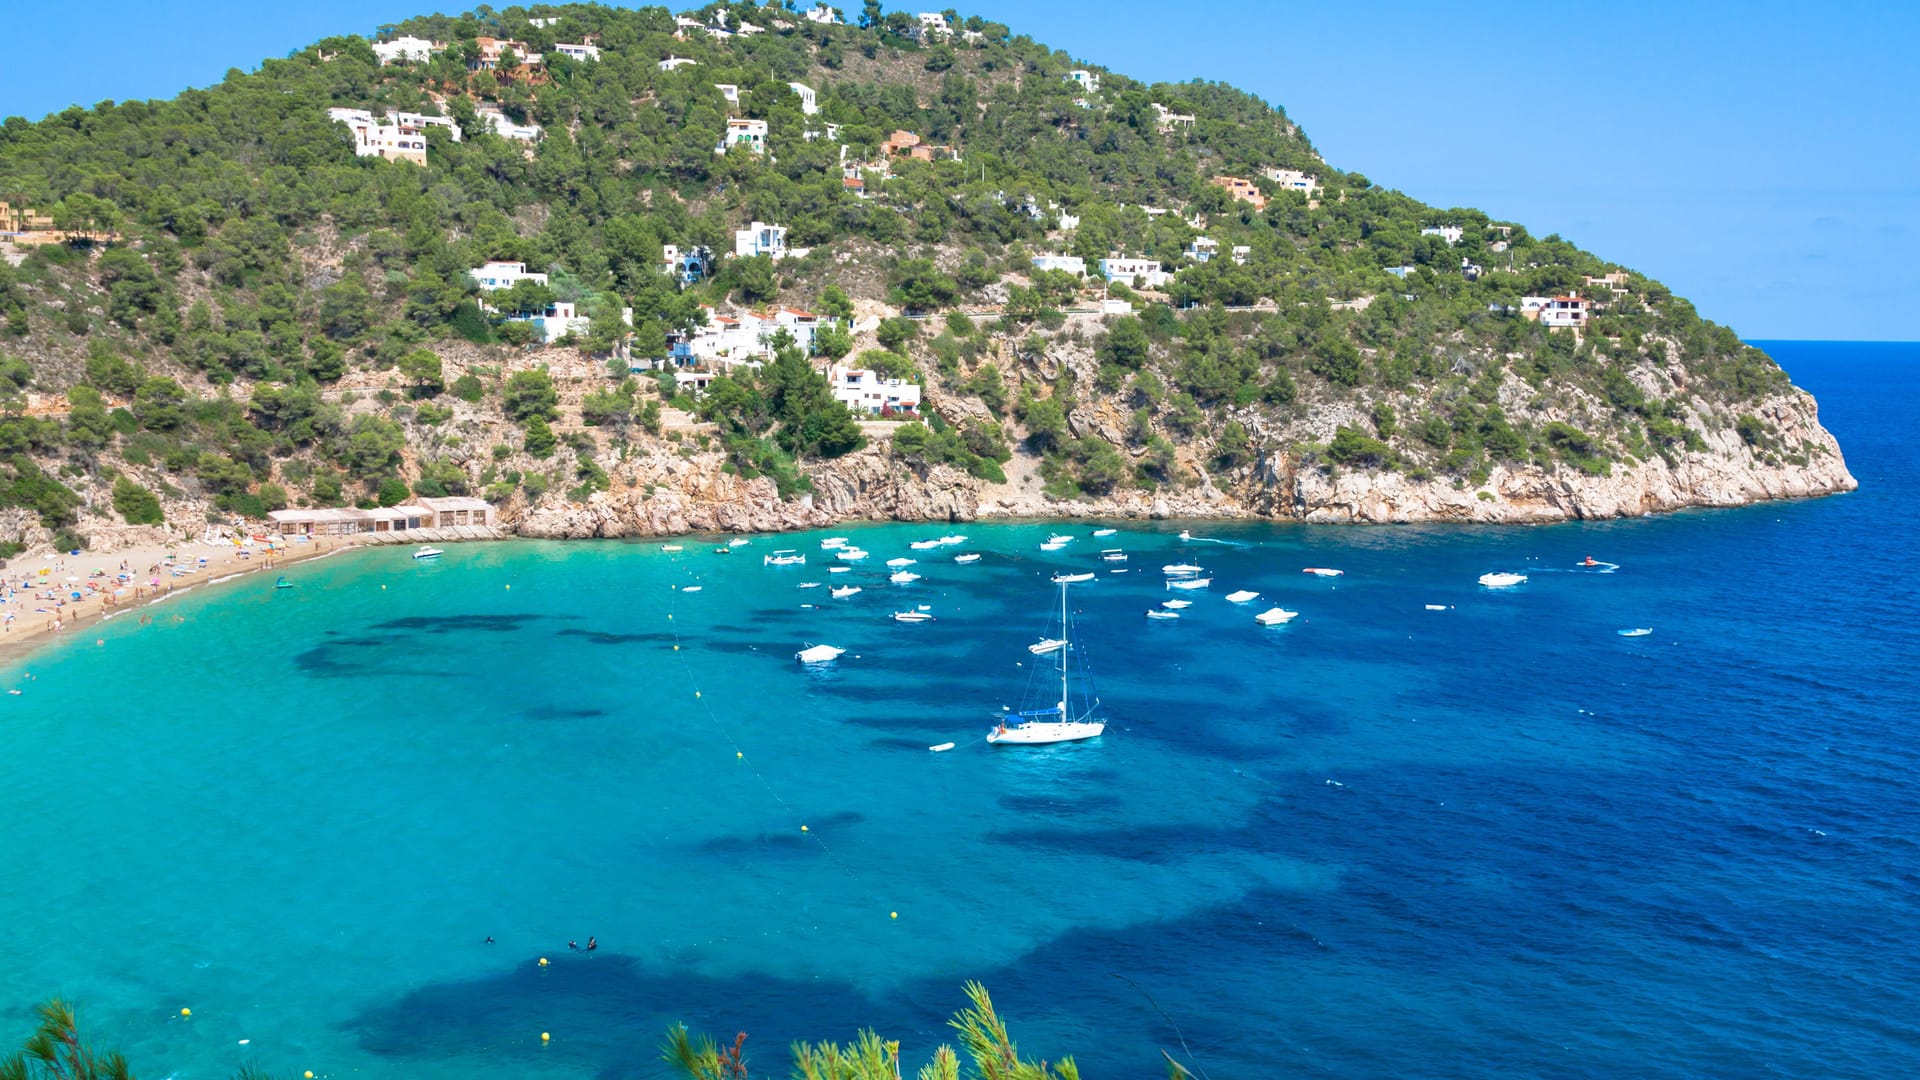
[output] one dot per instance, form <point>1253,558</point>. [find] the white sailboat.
<point>1105,532</point>
<point>1067,719</point>
<point>1179,569</point>
<point>1113,555</point>
<point>787,557</point>
<point>833,542</point>
<point>1190,583</point>
<point>912,616</point>
<point>1069,579</point>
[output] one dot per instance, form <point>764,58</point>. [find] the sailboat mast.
<point>1064,650</point>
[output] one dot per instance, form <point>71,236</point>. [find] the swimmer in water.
<point>574,947</point>
<point>489,939</point>
<point>592,943</point>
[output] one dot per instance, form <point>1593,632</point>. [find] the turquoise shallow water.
<point>1383,840</point>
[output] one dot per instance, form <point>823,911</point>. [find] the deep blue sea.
<point>1493,840</point>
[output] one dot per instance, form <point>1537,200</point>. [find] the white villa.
<point>688,265</point>
<point>1450,233</point>
<point>1561,312</point>
<point>506,128</point>
<point>751,134</point>
<point>500,274</point>
<point>760,238</point>
<point>1168,119</point>
<point>823,14</point>
<point>1085,79</point>
<point>675,63</point>
<point>400,137</point>
<point>730,91</point>
<point>932,24</point>
<point>1072,264</point>
<point>809,102</point>
<point>1146,271</point>
<point>1202,249</point>
<point>1241,252</point>
<point>867,392</point>
<point>583,51</point>
<point>728,341</point>
<point>1292,180</point>
<point>405,50</point>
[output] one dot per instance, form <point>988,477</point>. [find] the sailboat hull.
<point>1039,732</point>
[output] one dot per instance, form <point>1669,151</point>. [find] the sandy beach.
<point>39,605</point>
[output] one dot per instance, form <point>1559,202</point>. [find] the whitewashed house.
<point>1085,79</point>
<point>689,265</point>
<point>585,50</point>
<point>1202,249</point>
<point>823,14</point>
<point>751,134</point>
<point>405,50</point>
<point>1450,233</point>
<point>399,137</point>
<point>544,21</point>
<point>865,391</point>
<point>1168,119</point>
<point>1565,312</point>
<point>760,238</point>
<point>1292,180</point>
<point>932,26</point>
<point>809,102</point>
<point>500,274</point>
<point>505,127</point>
<point>1072,264</point>
<point>675,63</point>
<point>1241,252</point>
<point>1145,271</point>
<point>730,91</point>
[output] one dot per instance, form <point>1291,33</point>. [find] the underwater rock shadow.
<point>781,843</point>
<point>495,624</point>
<point>608,637</point>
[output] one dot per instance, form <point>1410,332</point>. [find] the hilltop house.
<point>1563,312</point>
<point>586,50</point>
<point>1085,79</point>
<point>751,134</point>
<point>1146,272</point>
<point>809,103</point>
<point>1450,233</point>
<point>1244,190</point>
<point>1072,264</point>
<point>729,341</point>
<point>688,266</point>
<point>23,219</point>
<point>761,238</point>
<point>1202,249</point>
<point>930,26</point>
<point>1241,252</point>
<point>730,91</point>
<point>823,14</point>
<point>865,391</point>
<point>405,50</point>
<point>1614,281</point>
<point>907,144</point>
<point>675,63</point>
<point>505,127</point>
<point>399,137</point>
<point>1292,180</point>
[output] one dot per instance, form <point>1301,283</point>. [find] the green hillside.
<point>237,313</point>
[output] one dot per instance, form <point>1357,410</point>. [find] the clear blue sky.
<point>1761,158</point>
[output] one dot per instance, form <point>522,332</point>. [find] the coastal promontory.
<point>627,272</point>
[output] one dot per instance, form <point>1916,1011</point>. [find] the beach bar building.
<point>458,510</point>
<point>350,521</point>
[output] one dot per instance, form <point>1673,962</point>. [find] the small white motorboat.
<point>1190,583</point>
<point>1051,546</point>
<point>671,547</point>
<point>833,542</point>
<point>1274,616</point>
<point>912,616</point>
<point>850,554</point>
<point>898,563</point>
<point>818,654</point>
<point>1638,632</point>
<point>1242,596</point>
<point>971,556</point>
<point>693,588</point>
<point>903,577</point>
<point>784,558</point>
<point>1177,569</point>
<point>1046,645</point>
<point>809,585</point>
<point>1152,614</point>
<point>1176,605</point>
<point>739,541</point>
<point>1069,579</point>
<point>1113,555</point>
<point>941,748</point>
<point>953,538</point>
<point>428,553</point>
<point>1502,580</point>
<point>845,591</point>
<point>1105,532</point>
<point>924,545</point>
<point>1438,607</point>
<point>1059,538</point>
<point>1321,571</point>
<point>839,569</point>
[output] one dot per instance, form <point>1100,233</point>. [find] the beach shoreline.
<point>32,631</point>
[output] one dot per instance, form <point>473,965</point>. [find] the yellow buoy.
<point>509,586</point>
<point>308,1074</point>
<point>543,961</point>
<point>544,1037</point>
<point>893,914</point>
<point>186,1012</point>
<point>676,648</point>
<point>696,693</point>
<point>803,828</point>
<point>383,588</point>
<point>740,755</point>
